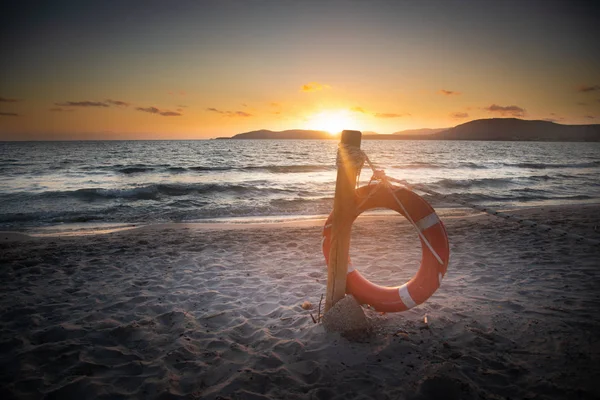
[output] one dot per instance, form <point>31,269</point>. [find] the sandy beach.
<point>214,311</point>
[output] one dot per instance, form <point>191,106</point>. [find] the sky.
<point>204,69</point>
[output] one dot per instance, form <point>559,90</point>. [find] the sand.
<point>214,311</point>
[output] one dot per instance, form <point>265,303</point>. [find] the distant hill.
<point>518,129</point>
<point>481,129</point>
<point>289,134</point>
<point>422,131</point>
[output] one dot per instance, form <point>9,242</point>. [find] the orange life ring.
<point>429,277</point>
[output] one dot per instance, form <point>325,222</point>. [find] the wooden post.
<point>344,208</point>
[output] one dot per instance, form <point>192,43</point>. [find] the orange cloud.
<point>588,88</point>
<point>8,114</point>
<point>448,92</point>
<point>7,100</point>
<point>358,109</point>
<point>118,103</point>
<point>459,115</point>
<point>229,113</point>
<point>154,110</point>
<point>85,103</point>
<point>515,111</point>
<point>314,87</point>
<point>389,115</point>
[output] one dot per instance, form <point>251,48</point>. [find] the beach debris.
<point>214,315</point>
<point>402,333</point>
<point>307,305</point>
<point>319,316</point>
<point>346,317</point>
<point>425,323</point>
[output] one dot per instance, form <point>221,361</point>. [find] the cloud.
<point>242,114</point>
<point>182,106</point>
<point>588,88</point>
<point>358,109</point>
<point>229,113</point>
<point>313,87</point>
<point>515,111</point>
<point>118,103</point>
<point>459,115</point>
<point>589,116</point>
<point>85,103</point>
<point>154,110</point>
<point>581,103</point>
<point>389,115</point>
<point>8,114</point>
<point>448,92</point>
<point>60,109</point>
<point>7,100</point>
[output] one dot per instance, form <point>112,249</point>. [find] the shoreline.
<point>91,229</point>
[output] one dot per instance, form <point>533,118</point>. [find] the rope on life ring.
<point>434,241</point>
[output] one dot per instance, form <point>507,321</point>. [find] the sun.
<point>332,121</point>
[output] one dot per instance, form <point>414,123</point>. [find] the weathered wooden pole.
<point>344,208</point>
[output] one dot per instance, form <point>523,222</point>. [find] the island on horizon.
<point>493,129</point>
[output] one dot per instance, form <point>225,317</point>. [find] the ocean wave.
<point>284,169</point>
<point>541,178</point>
<point>471,165</point>
<point>135,170</point>
<point>428,165</point>
<point>299,200</point>
<point>591,164</point>
<point>161,190</point>
<point>417,165</point>
<point>276,169</point>
<point>203,168</point>
<point>469,183</point>
<point>176,169</point>
<point>523,197</point>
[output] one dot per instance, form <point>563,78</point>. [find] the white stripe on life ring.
<point>427,222</point>
<point>405,296</point>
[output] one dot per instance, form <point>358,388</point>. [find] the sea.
<point>79,185</point>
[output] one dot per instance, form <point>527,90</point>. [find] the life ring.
<point>431,272</point>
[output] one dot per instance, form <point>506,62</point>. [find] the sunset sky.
<point>202,69</point>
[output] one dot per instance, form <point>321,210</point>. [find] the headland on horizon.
<point>496,129</point>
